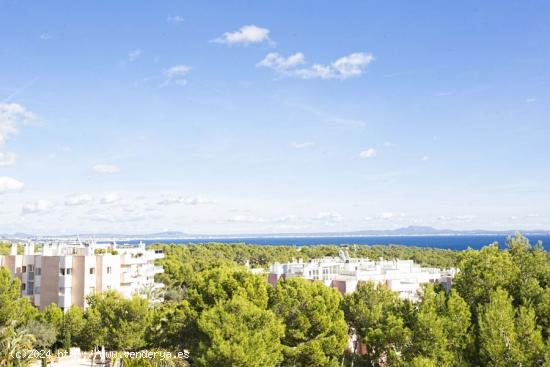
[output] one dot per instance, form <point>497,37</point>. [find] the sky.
<point>227,117</point>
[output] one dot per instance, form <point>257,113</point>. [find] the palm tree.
<point>152,293</point>
<point>13,340</point>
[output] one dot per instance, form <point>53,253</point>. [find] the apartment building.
<point>404,277</point>
<point>66,273</point>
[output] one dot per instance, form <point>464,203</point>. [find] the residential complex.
<point>344,273</point>
<point>66,273</point>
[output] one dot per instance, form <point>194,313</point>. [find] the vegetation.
<point>496,314</point>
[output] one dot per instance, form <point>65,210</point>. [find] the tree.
<point>13,340</point>
<point>482,272</point>
<point>423,362</point>
<point>543,312</point>
<point>531,344</point>
<point>10,300</point>
<point>44,336</point>
<point>239,333</point>
<point>430,338</point>
<point>53,315</point>
<point>152,293</point>
<point>457,324</point>
<point>122,322</point>
<point>497,333</point>
<point>223,283</point>
<point>316,331</point>
<point>71,327</point>
<point>158,358</point>
<point>94,331</point>
<point>172,326</point>
<point>375,313</point>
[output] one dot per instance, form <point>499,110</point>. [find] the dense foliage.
<point>496,314</point>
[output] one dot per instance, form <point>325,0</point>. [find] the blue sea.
<point>452,242</point>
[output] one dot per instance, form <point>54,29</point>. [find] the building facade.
<point>404,277</point>
<point>66,273</point>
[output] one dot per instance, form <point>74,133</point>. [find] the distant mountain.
<point>425,231</point>
<point>405,231</point>
<point>16,235</point>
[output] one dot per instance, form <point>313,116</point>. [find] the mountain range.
<point>405,231</point>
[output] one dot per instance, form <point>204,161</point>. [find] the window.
<point>62,271</point>
<point>37,290</point>
<point>69,271</point>
<point>23,286</point>
<point>38,271</point>
<point>31,268</point>
<point>92,271</point>
<point>24,269</point>
<point>18,270</point>
<point>92,290</point>
<point>65,271</point>
<point>109,270</point>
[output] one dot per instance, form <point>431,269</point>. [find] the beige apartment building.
<point>66,273</point>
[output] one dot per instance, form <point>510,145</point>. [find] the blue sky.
<point>260,117</point>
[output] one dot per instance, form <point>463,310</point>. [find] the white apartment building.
<point>66,273</point>
<point>404,277</point>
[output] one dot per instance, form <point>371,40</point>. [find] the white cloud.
<point>11,116</point>
<point>174,19</point>
<point>105,168</point>
<point>240,218</point>
<point>367,153</point>
<point>7,159</point>
<point>329,217</point>
<point>245,35</point>
<point>45,36</point>
<point>189,200</point>
<point>345,67</point>
<point>80,199</point>
<point>456,218</point>
<point>306,144</point>
<point>119,218</point>
<point>9,184</point>
<point>195,200</point>
<point>175,75</point>
<point>171,201</point>
<point>110,198</point>
<point>286,219</point>
<point>38,206</point>
<point>387,215</point>
<point>280,63</point>
<point>134,55</point>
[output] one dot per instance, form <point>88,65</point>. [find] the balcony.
<point>126,278</point>
<point>64,300</point>
<point>65,281</point>
<point>158,254</point>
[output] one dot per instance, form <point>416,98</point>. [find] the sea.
<point>451,242</point>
